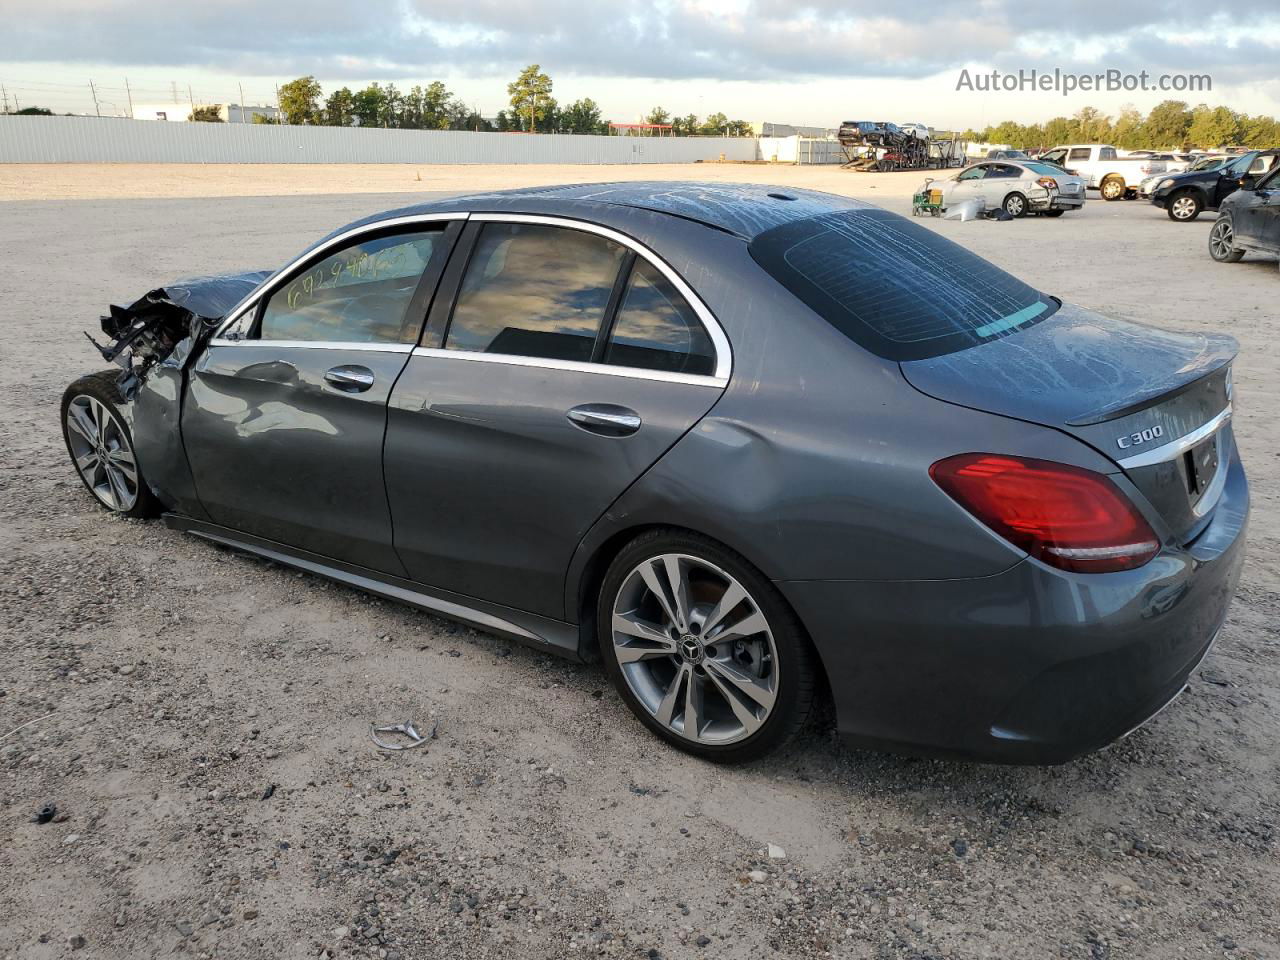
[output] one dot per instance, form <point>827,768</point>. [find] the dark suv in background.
<point>1184,195</point>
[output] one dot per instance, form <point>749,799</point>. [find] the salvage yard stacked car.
<point>743,444</point>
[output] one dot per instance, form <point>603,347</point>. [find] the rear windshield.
<point>893,286</point>
<point>1044,168</point>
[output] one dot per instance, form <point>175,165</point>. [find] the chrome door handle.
<point>606,419</point>
<point>349,378</point>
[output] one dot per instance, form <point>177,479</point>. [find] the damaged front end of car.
<point>166,324</point>
<point>153,341</point>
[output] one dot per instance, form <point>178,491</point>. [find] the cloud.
<point>671,39</point>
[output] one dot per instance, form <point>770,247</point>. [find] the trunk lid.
<point>1156,402</point>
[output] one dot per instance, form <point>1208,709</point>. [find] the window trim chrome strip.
<point>276,279</point>
<point>345,345</point>
<point>719,340</point>
<point>577,366</point>
<point>1176,448</point>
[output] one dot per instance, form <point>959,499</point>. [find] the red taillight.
<point>1066,516</point>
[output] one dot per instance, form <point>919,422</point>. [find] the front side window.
<point>656,329</point>
<point>894,287</point>
<point>1079,153</point>
<point>534,291</point>
<point>359,295</point>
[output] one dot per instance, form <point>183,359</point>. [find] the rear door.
<point>568,361</point>
<point>286,410</point>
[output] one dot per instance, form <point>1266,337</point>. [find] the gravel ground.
<point>201,717</point>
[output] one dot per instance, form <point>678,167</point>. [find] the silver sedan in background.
<point>1017,187</point>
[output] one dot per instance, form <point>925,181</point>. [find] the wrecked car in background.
<point>1016,187</point>
<point>1183,196</point>
<point>741,443</point>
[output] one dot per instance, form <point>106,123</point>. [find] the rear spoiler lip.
<point>1220,350</point>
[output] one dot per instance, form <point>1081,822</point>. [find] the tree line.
<point>533,109</point>
<point>1171,125</point>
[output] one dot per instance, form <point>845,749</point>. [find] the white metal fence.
<point>116,140</point>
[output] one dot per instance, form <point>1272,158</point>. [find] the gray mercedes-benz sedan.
<point>739,443</point>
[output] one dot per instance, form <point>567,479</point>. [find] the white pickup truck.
<point>1101,165</point>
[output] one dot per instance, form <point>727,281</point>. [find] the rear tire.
<point>1112,188</point>
<point>1015,205</point>
<point>1184,206</point>
<point>100,445</point>
<point>717,664</point>
<point>1052,213</point>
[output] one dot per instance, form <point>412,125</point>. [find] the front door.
<point>285,417</point>
<point>569,364</point>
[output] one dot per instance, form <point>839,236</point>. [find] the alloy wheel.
<point>1220,237</point>
<point>1112,189</point>
<point>1184,208</point>
<point>695,649</point>
<point>102,453</point>
<point>1014,206</point>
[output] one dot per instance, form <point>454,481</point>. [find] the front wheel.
<point>702,647</point>
<point>1015,205</point>
<point>1222,241</point>
<point>1184,207</point>
<point>1113,188</point>
<point>101,446</point>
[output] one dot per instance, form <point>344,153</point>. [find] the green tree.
<point>1092,125</point>
<point>582,116</point>
<point>658,116</point>
<point>716,125</point>
<point>1259,131</point>
<point>368,104</point>
<point>33,112</point>
<point>263,118</point>
<point>206,114</point>
<point>686,126</point>
<point>339,109</point>
<point>1167,124</point>
<point>1127,132</point>
<point>300,100</point>
<point>1216,127</point>
<point>389,110</point>
<point>531,101</point>
<point>1058,132</point>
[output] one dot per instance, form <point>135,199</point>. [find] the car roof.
<point>742,209</point>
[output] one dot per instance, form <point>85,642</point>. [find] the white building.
<point>181,112</point>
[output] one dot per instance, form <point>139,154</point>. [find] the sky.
<point>811,62</point>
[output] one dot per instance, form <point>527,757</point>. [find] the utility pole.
<point>173,89</point>
<point>241,86</point>
<point>96,108</point>
<point>130,95</point>
<point>191,100</point>
<point>5,94</point>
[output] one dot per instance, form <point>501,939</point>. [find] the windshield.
<point>893,286</point>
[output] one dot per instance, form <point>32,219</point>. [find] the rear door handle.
<point>606,419</point>
<point>349,378</point>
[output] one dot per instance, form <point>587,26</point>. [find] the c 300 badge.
<point>1142,436</point>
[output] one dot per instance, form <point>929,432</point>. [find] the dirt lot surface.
<point>201,717</point>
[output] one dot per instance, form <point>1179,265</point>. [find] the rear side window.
<point>656,329</point>
<point>534,291</point>
<point>359,295</point>
<point>894,287</point>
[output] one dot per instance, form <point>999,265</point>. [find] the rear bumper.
<point>1032,665</point>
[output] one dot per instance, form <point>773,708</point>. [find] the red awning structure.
<point>640,129</point>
